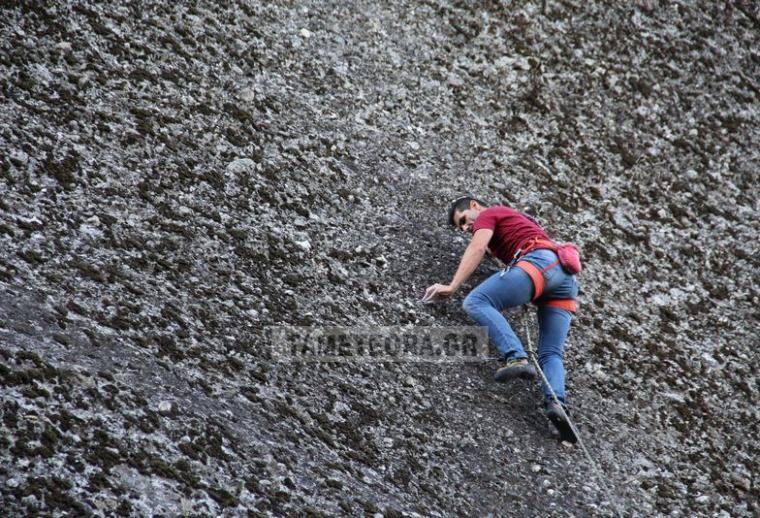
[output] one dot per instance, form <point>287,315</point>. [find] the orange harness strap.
<point>537,276</point>
<point>566,304</point>
<point>536,243</point>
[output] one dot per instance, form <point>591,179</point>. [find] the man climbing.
<point>533,273</point>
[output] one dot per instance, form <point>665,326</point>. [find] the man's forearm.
<point>470,261</point>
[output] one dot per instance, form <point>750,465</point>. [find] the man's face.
<point>465,218</point>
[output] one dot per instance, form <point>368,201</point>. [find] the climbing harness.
<point>597,471</point>
<point>568,258</point>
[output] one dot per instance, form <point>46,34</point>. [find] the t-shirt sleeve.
<point>485,219</point>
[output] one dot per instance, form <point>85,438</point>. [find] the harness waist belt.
<point>535,243</point>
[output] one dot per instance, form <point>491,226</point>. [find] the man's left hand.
<point>437,292</point>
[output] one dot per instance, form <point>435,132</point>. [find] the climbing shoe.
<point>560,422</point>
<point>515,368</point>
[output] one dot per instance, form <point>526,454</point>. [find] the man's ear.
<point>474,204</point>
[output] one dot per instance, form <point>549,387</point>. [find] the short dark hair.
<point>460,204</point>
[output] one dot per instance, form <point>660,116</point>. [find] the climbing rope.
<point>597,470</point>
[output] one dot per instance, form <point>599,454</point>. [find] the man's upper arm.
<point>481,238</point>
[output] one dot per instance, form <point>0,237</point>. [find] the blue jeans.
<point>515,288</point>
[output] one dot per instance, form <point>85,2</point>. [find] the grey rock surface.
<point>175,177</point>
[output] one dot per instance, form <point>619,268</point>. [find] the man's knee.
<point>475,302</point>
<point>546,356</point>
<point>471,303</point>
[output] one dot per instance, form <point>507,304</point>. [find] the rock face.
<point>175,177</point>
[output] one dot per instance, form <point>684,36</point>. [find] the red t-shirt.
<point>511,229</point>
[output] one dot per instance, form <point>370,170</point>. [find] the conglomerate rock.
<point>176,177</point>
